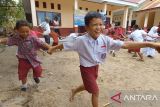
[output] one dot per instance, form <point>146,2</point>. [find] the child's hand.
<point>157,47</point>
<point>3,41</point>
<point>51,49</point>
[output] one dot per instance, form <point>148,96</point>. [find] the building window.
<point>59,6</point>
<point>106,12</point>
<point>80,8</point>
<point>44,5</point>
<point>117,23</point>
<point>110,12</point>
<point>97,10</point>
<point>37,3</point>
<point>41,15</point>
<point>86,9</point>
<point>52,5</point>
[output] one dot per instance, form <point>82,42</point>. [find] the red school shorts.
<point>89,77</point>
<point>23,68</point>
<point>136,50</point>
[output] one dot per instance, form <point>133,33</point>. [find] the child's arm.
<point>133,45</point>
<point>3,41</point>
<point>46,46</point>
<point>53,48</point>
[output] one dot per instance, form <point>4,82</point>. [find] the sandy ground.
<point>62,74</point>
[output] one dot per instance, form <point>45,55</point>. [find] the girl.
<point>27,52</point>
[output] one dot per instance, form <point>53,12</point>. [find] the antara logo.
<point>117,97</point>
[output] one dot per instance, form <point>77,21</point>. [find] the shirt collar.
<point>99,38</point>
<point>25,38</point>
<point>91,40</point>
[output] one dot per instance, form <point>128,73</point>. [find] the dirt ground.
<point>62,73</point>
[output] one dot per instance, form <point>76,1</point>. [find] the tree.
<point>10,11</point>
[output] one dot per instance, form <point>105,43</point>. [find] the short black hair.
<point>135,26</point>
<point>56,18</point>
<point>21,23</point>
<point>90,15</point>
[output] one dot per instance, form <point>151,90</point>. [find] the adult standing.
<point>46,30</point>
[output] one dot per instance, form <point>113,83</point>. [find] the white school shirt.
<point>137,35</point>
<point>56,24</point>
<point>92,52</point>
<point>72,37</point>
<point>46,28</point>
<point>152,34</point>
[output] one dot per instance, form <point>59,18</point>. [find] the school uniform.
<point>91,54</point>
<point>27,55</point>
<point>151,38</point>
<point>46,28</point>
<point>137,36</point>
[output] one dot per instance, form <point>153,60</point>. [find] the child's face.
<point>95,27</point>
<point>23,31</point>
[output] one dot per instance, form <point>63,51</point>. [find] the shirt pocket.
<point>102,48</point>
<point>102,53</point>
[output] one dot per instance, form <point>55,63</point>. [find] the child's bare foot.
<point>140,60</point>
<point>107,104</point>
<point>72,95</point>
<point>44,68</point>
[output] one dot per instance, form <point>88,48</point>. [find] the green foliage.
<point>10,11</point>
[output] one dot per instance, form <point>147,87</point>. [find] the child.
<point>151,37</point>
<point>26,53</point>
<point>56,25</point>
<point>54,36</point>
<point>36,32</point>
<point>137,36</point>
<point>92,48</point>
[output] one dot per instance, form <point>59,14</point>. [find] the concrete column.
<point>111,18</point>
<point>75,8</point>
<point>105,8</point>
<point>75,4</point>
<point>124,25</point>
<point>130,19</point>
<point>33,12</point>
<point>146,20</point>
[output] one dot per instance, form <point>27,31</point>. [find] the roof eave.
<point>148,9</point>
<point>141,1</point>
<point>121,3</point>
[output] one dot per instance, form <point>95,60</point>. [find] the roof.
<point>132,3</point>
<point>154,5</point>
<point>137,5</point>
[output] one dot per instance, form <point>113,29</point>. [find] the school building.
<point>70,13</point>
